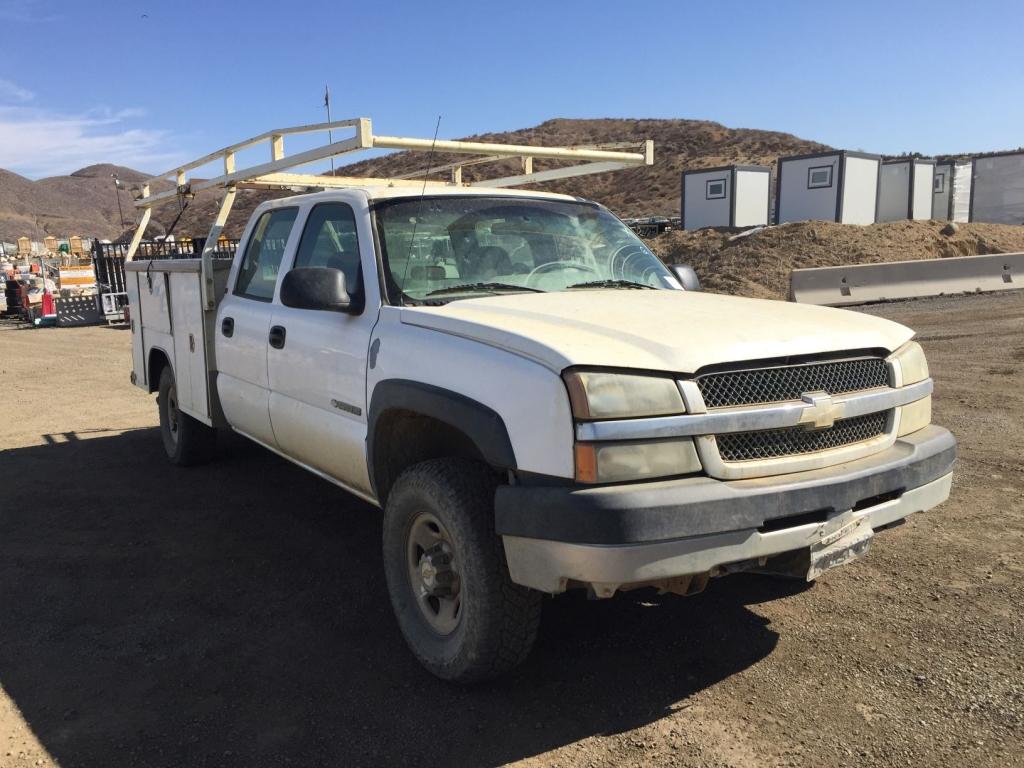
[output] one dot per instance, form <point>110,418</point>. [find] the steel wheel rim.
<point>434,573</point>
<point>172,413</point>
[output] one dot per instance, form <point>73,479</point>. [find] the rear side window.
<point>329,240</point>
<point>257,275</point>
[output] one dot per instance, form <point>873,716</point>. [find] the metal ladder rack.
<point>273,173</point>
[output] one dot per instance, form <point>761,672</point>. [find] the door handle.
<point>277,334</point>
<point>227,326</point>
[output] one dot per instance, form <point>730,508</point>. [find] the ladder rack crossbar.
<point>419,174</point>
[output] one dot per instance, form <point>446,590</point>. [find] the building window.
<point>940,183</point>
<point>819,177</point>
<point>714,189</point>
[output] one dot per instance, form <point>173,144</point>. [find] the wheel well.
<point>158,360</point>
<point>403,438</point>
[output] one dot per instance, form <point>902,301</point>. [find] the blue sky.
<point>148,83</point>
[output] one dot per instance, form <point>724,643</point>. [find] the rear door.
<point>243,325</point>
<point>318,375</point>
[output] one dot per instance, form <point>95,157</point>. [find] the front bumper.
<point>611,536</point>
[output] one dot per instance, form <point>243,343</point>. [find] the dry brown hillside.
<point>83,203</point>
<point>759,264</point>
<point>678,144</point>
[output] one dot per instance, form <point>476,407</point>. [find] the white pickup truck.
<point>536,402</point>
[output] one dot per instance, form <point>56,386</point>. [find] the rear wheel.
<point>460,612</point>
<point>186,440</point>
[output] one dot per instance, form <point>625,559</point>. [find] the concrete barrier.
<point>864,283</point>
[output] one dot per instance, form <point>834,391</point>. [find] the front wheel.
<point>460,612</point>
<point>186,440</point>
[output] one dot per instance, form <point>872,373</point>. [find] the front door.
<point>318,374</point>
<point>243,327</point>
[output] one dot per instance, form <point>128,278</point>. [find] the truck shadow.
<point>236,614</point>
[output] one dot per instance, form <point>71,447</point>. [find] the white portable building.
<point>837,186</point>
<point>905,189</point>
<point>731,196</point>
<point>951,196</point>
<point>997,188</point>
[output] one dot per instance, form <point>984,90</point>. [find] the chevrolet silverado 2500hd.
<point>535,401</point>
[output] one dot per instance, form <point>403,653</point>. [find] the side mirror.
<point>686,276</point>
<point>315,288</point>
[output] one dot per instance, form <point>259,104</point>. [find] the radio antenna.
<point>327,106</point>
<point>423,193</point>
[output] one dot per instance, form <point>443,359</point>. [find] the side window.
<point>819,176</point>
<point>257,275</point>
<point>714,189</point>
<point>329,240</point>
<point>940,183</point>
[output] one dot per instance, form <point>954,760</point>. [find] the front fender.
<point>529,400</point>
<point>481,424</point>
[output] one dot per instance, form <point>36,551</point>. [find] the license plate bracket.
<point>841,539</point>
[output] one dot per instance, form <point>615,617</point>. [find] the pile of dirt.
<point>758,264</point>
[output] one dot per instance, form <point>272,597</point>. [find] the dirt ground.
<point>759,264</point>
<point>236,615</point>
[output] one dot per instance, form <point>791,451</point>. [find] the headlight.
<point>913,367</point>
<point>619,462</point>
<point>596,395</point>
<point>912,363</point>
<point>601,395</point>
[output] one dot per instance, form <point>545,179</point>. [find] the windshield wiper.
<point>484,287</point>
<point>611,284</point>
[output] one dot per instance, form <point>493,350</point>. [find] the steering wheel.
<point>551,266</point>
<point>622,256</point>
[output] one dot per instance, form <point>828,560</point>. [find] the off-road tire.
<point>498,619</point>
<point>187,442</point>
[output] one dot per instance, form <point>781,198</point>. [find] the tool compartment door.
<point>190,364</point>
<point>152,320</point>
<point>135,324</point>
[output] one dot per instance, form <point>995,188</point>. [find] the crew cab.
<point>536,402</point>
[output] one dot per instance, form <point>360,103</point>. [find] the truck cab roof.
<point>374,192</point>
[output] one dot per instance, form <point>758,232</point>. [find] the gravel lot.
<point>235,614</point>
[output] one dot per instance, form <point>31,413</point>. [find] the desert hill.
<point>84,203</point>
<point>654,190</point>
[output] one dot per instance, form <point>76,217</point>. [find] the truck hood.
<point>661,330</point>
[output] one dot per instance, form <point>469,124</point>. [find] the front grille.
<point>790,382</point>
<point>794,441</point>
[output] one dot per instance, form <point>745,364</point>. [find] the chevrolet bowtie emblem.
<point>821,411</point>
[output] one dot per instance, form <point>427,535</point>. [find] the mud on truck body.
<point>532,398</point>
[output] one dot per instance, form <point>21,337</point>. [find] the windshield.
<point>438,249</point>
